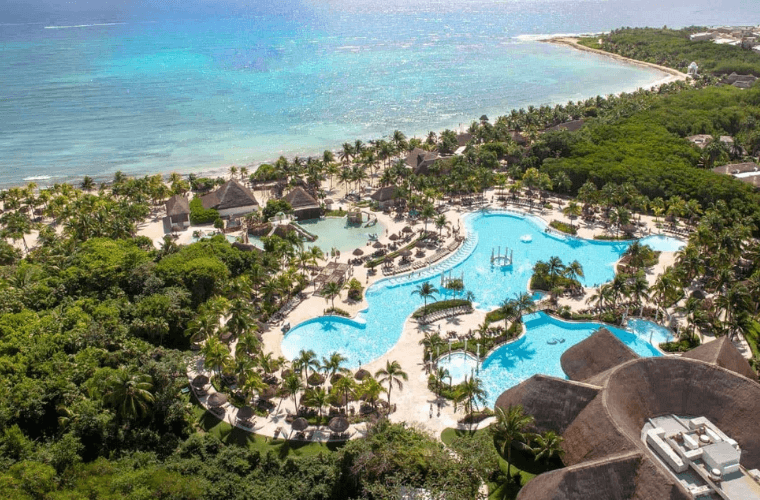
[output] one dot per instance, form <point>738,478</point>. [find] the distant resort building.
<point>231,200</point>
<point>420,160</point>
<point>647,428</point>
<point>305,206</point>
<point>702,140</point>
<point>748,172</point>
<point>739,81</point>
<point>177,213</point>
<point>571,126</point>
<point>385,197</point>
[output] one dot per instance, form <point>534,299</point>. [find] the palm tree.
<point>252,384</point>
<point>440,223</point>
<point>524,304</point>
<point>216,355</point>
<point>694,313</point>
<point>441,374</point>
<point>241,317</point>
<point>510,426</point>
<point>332,290</point>
<point>129,393</point>
<point>345,387</point>
<point>425,290</point>
<point>472,392</point>
<point>392,373</point>
<point>548,445</point>
<point>555,268</point>
<point>87,183</point>
<point>508,310</point>
<point>333,364</point>
<point>305,360</point>
<point>370,389</point>
<point>316,398</point>
<point>291,386</point>
<point>572,211</point>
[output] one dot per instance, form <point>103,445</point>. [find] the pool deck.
<point>415,403</point>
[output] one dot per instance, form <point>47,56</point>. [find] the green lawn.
<point>235,436</point>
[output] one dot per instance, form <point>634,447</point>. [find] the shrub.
<point>336,311</point>
<point>563,226</point>
<point>200,215</point>
<point>440,306</point>
<point>275,206</point>
<point>681,345</point>
<point>355,289</point>
<point>219,223</point>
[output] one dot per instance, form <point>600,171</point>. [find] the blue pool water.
<point>335,232</point>
<point>390,301</point>
<point>515,362</point>
<point>662,243</point>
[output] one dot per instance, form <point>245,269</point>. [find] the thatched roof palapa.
<point>217,399</point>
<point>601,424</point>
<point>177,205</point>
<point>386,193</point>
<point>300,424</point>
<point>721,352</point>
<point>299,199</point>
<point>595,354</point>
<point>231,194</point>
<point>338,424</point>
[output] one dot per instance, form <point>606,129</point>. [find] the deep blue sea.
<point>142,89</point>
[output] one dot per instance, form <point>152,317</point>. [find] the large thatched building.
<point>385,196</point>
<point>420,160</point>
<point>304,205</point>
<point>231,200</point>
<point>612,394</point>
<point>177,213</point>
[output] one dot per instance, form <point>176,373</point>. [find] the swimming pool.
<point>540,350</point>
<point>335,232</point>
<point>662,243</point>
<point>390,301</point>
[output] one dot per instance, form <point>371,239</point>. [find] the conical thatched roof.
<point>610,425</point>
<point>384,194</point>
<point>595,354</point>
<point>628,475</point>
<point>722,352</point>
<point>299,199</point>
<point>177,205</point>
<point>231,194</point>
<point>554,402</point>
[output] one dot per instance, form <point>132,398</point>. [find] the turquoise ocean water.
<point>144,91</point>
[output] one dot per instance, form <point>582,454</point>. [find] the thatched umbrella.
<point>377,244</point>
<point>406,253</point>
<point>316,379</point>
<point>335,378</point>
<point>299,424</point>
<point>358,252</point>
<point>286,373</point>
<point>245,413</point>
<point>407,229</point>
<point>421,244</point>
<point>217,399</point>
<point>268,393</point>
<point>699,294</point>
<point>338,424</point>
<point>200,381</point>
<point>361,374</point>
<point>393,237</point>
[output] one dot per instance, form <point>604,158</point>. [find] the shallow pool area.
<point>336,232</point>
<point>662,243</point>
<point>539,351</point>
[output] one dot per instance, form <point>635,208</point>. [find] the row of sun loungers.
<point>678,231</point>
<point>446,313</point>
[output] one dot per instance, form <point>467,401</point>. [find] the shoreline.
<point>222,170</point>
<point>572,42</point>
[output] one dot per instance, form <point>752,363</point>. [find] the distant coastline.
<point>573,42</point>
